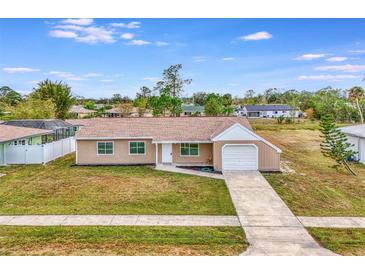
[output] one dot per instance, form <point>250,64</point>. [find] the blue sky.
<point>99,57</point>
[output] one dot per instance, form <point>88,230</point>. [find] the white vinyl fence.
<point>39,154</point>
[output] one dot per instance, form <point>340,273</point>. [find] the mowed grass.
<point>348,242</point>
<point>94,240</point>
<point>315,189</point>
<point>61,188</point>
<point>270,124</point>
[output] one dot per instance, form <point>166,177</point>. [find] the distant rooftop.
<point>50,124</point>
<point>80,109</point>
<point>192,108</point>
<point>269,108</point>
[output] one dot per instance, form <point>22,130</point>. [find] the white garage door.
<point>240,157</point>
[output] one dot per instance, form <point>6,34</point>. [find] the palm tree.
<point>355,95</point>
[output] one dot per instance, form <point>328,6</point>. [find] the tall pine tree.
<point>335,143</point>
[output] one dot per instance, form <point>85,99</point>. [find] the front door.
<point>166,153</point>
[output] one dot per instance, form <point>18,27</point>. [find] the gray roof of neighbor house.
<point>159,129</point>
<point>9,133</point>
<point>51,124</point>
<point>356,130</point>
<point>192,108</point>
<point>269,107</point>
<point>80,109</point>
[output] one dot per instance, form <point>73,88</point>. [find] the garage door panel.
<point>240,157</point>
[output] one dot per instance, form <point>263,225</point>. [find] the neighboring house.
<point>356,136</point>
<point>99,106</point>
<point>268,111</point>
<point>118,113</point>
<point>190,109</point>
<point>35,141</point>
<point>79,111</point>
<point>226,143</point>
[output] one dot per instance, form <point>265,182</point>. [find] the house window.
<point>137,148</point>
<point>187,149</point>
<point>105,148</point>
<point>30,141</point>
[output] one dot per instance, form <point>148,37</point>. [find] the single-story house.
<point>118,113</point>
<point>268,111</point>
<point>225,143</point>
<point>190,109</point>
<point>78,111</point>
<point>35,141</point>
<point>356,136</point>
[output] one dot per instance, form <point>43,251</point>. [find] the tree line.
<point>53,99</point>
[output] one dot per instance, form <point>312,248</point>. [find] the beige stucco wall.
<point>205,155</point>
<point>269,158</point>
<point>87,153</point>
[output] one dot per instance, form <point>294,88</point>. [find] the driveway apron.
<point>270,227</point>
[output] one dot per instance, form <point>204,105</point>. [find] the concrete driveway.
<point>270,227</point>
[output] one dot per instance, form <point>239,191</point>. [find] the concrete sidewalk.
<point>333,222</point>
<point>119,220</point>
<point>270,227</point>
<point>171,168</point>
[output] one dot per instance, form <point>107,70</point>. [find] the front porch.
<point>184,154</point>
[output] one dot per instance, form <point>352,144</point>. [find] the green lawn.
<point>61,188</point>
<point>94,240</point>
<point>341,241</point>
<point>270,124</point>
<point>314,189</point>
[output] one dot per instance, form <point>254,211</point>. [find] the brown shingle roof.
<point>8,133</point>
<point>81,110</point>
<point>158,129</point>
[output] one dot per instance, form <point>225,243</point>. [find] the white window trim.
<point>136,154</point>
<point>189,150</point>
<point>97,146</point>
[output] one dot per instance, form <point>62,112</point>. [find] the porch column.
<point>156,153</point>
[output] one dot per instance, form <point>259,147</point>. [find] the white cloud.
<point>62,34</point>
<point>138,42</point>
<point>116,75</point>
<point>19,70</point>
<point>162,44</point>
<point>127,35</point>
<point>310,56</point>
<point>152,79</point>
<point>200,59</point>
<point>337,59</point>
<point>83,32</point>
<point>261,35</point>
<point>62,74</point>
<point>92,74</point>
<point>75,78</point>
<point>227,59</point>
<point>130,25</point>
<point>93,35</point>
<point>329,77</point>
<point>107,80</point>
<point>345,68</point>
<point>233,84</point>
<point>81,21</point>
<point>359,51</point>
<point>67,75</point>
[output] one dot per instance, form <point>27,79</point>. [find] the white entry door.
<point>166,153</point>
<point>240,157</point>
